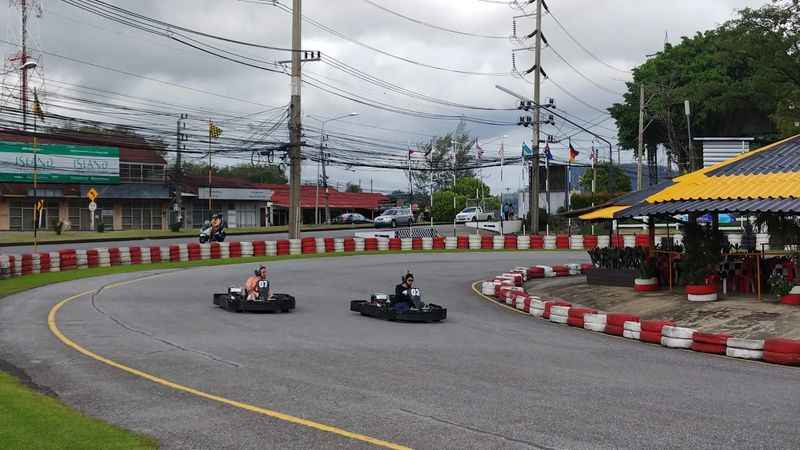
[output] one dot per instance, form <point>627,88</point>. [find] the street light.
<point>322,162</point>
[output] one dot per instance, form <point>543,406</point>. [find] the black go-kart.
<point>236,300</point>
<point>381,306</point>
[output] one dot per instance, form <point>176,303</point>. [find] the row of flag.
<point>526,152</point>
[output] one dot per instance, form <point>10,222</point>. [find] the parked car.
<point>473,214</point>
<point>394,217</point>
<point>353,218</point>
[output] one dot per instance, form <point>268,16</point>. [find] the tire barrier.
<point>537,242</point>
<point>677,337</point>
<point>439,242</point>
<point>642,240</point>
<point>576,314</point>
<point>271,248</point>
<point>338,245</point>
<point>510,242</point>
<point>462,242</point>
<point>632,330</point>
<point>155,254</point>
<point>548,307</point>
<point>523,242</point>
<point>645,284</point>
<point>224,250</point>
<point>427,243</point>
<point>615,323</point>
<point>247,249</point>
<point>559,314</point>
<point>282,247</point>
<point>535,272</point>
<point>321,245</point>
<point>125,256</point>
<point>603,241</point>
<point>474,241</point>
<point>701,293</point>
<point>562,241</point>
<point>617,241</point>
<point>350,245</point>
<point>308,245</point>
<point>135,254</point>
<point>68,260</point>
<point>383,244</point>
<point>395,244</point>
<point>487,242</point>
<point>594,322</point>
<point>144,256</point>
<point>574,269</point>
<point>295,247</point>
<point>234,250</point>
<point>629,240</point>
<point>561,271</point>
<point>450,243</point>
<point>498,242</point>
<point>359,245</point>
<point>371,244</point>
<point>549,242</point>
<point>589,242</point>
<point>487,288</point>
<point>782,351</point>
<point>576,242</point>
<point>585,267</point>
<point>259,248</point>
<point>114,256</point>
<point>710,343</point>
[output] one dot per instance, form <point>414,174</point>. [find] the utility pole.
<point>533,176</point>
<point>24,68</point>
<point>639,181</point>
<point>295,127</point>
<point>693,162</point>
<point>181,138</point>
<point>325,156</point>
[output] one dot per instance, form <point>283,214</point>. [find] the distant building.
<point>718,149</point>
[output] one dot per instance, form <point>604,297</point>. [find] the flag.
<point>37,106</point>
<point>547,154</point>
<point>501,152</point>
<point>573,153</point>
<point>213,130</point>
<point>411,151</point>
<point>526,151</point>
<point>478,150</point>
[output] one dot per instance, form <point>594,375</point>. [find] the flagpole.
<point>430,164</point>
<point>547,186</point>
<point>594,178</point>
<point>36,211</point>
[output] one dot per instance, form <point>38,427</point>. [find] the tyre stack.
<point>103,257</point>
<point>427,243</point>
<point>595,322</point>
<point>562,241</point>
<point>68,260</point>
<point>549,242</point>
<point>521,301</point>
<point>487,242</point>
<point>537,242</point>
<point>782,351</point>
<point>651,330</point>
<point>523,242</point>
<point>745,348</point>
<point>205,251</point>
<point>6,271</point>
<point>498,242</point>
<point>370,244</point>
<point>235,249</point>
<point>576,315</point>
<point>487,288</point>
<point>36,262</point>
<point>537,307</point>
<point>710,343</point>
<point>510,242</point>
<point>548,271</point>
<point>589,242</point>
<point>295,246</point>
<point>535,272</point>
<point>360,244</point>
<point>450,243</point>
<point>603,241</point>
<point>44,262</point>
<point>55,262</point>
<point>163,254</point>
<point>548,307</point>
<point>559,314</point>
<point>144,256</point>
<point>259,248</point>
<point>136,254</point>
<point>338,245</point>
<point>576,242</point>
<point>510,295</point>
<point>406,244</point>
<point>561,271</point>
<point>585,267</point>
<point>462,242</point>
<point>677,337</point>
<point>439,242</point>
<point>247,249</point>
<point>224,250</point>
<point>474,241</point>
<point>383,245</point>
<point>27,263</point>
<point>615,323</point>
<point>282,247</point>
<point>307,245</point>
<point>319,243</point>
<point>330,244</point>
<point>350,245</point>
<point>271,248</point>
<point>125,256</point>
<point>574,269</point>
<point>523,271</point>
<point>216,250</point>
<point>499,285</point>
<point>632,330</point>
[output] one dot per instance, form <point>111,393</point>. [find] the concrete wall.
<point>4,215</point>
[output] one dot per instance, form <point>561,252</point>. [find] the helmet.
<point>258,271</point>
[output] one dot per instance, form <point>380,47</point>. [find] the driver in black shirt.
<point>402,293</point>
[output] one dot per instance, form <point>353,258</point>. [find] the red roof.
<point>336,199</point>
<point>129,151</point>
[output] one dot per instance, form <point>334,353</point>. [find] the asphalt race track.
<point>487,378</point>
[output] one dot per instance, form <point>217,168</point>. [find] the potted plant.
<point>699,262</point>
<point>646,272</point>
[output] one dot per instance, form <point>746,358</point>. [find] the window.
<point>21,215</point>
<point>142,173</point>
<point>137,216</point>
<point>468,210</point>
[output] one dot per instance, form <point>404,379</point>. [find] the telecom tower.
<point>22,70</point>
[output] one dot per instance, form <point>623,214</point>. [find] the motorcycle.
<point>209,233</point>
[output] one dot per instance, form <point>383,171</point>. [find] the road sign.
<point>92,206</point>
<point>92,194</point>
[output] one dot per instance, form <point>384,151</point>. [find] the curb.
<point>506,291</point>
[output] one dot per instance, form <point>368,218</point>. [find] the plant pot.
<point>790,299</point>
<point>701,293</point>
<point>795,290</point>
<point>645,284</point>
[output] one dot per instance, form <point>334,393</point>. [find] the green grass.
<point>17,237</point>
<point>35,421</point>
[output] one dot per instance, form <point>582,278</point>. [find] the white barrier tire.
<point>599,319</point>
<point>562,311</point>
<point>744,353</point>
<point>630,334</point>
<point>537,312</point>
<point>632,326</point>
<point>746,344</point>
<point>599,327</point>
<point>677,332</point>
<point>676,342</point>
<point>702,298</point>
<point>558,319</point>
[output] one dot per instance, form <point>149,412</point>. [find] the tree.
<point>622,182</point>
<point>735,77</point>
<point>269,174</point>
<point>443,209</point>
<point>439,160</point>
<point>353,188</point>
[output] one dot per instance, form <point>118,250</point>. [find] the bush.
<point>175,227</point>
<point>101,227</point>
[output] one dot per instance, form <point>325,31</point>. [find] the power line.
<point>434,26</point>
<point>578,43</point>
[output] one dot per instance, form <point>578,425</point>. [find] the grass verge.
<point>32,420</point>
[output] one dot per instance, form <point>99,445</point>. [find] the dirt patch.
<point>742,317</point>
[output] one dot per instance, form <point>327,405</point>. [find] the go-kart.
<point>381,306</point>
<point>236,300</point>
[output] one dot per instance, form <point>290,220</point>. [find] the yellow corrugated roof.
<point>699,186</point>
<point>606,213</point>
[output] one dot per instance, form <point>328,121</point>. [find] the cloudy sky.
<point>167,76</point>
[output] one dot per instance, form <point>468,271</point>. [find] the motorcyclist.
<point>251,286</point>
<point>402,293</point>
<point>217,228</point>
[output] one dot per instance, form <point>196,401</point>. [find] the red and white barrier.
<point>645,284</point>
<point>632,330</point>
<point>595,322</point>
<point>559,313</point>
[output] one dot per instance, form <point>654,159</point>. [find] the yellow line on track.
<point>52,324</point>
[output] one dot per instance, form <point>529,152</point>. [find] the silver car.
<point>394,217</point>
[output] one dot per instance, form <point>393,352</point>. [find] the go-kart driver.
<point>402,294</point>
<point>251,286</point>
